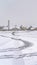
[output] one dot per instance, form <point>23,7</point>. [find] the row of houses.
<point>21,28</point>
<point>16,28</point>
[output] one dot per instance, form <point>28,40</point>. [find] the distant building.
<point>1,28</point>
<point>22,28</point>
<point>33,29</point>
<point>29,28</point>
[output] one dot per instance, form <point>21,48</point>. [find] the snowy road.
<point>19,45</point>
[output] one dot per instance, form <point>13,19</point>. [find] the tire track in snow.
<point>26,44</point>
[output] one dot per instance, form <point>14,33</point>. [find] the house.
<point>1,28</point>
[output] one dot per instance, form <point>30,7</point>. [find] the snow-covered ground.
<point>18,48</point>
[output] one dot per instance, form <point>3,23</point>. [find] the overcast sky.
<point>18,12</point>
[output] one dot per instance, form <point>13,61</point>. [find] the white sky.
<point>18,12</point>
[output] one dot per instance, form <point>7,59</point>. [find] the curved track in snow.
<point>26,44</point>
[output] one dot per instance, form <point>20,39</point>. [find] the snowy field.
<point>18,48</point>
